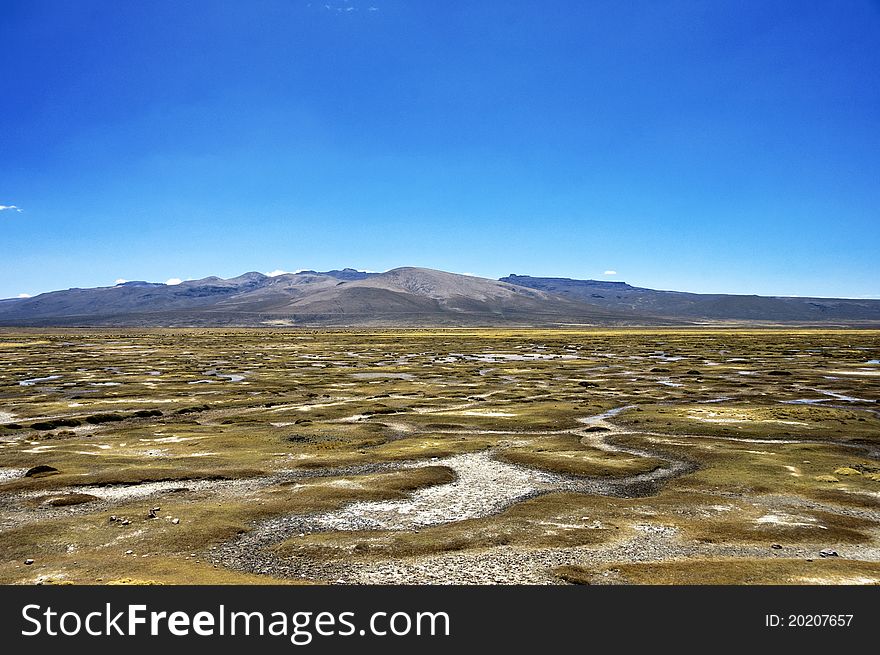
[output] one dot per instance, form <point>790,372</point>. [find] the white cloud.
<point>121,281</point>
<point>610,273</point>
<point>24,295</point>
<point>11,207</point>
<point>276,273</point>
<point>173,281</point>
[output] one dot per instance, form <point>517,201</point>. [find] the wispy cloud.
<point>14,208</point>
<point>24,295</point>
<point>344,7</point>
<point>277,272</point>
<point>172,281</point>
<point>610,273</point>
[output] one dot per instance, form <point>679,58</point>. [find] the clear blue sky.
<point>703,146</point>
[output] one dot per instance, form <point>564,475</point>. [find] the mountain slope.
<point>411,297</point>
<point>695,306</point>
<point>403,296</point>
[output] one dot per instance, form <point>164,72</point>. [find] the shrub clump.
<point>95,419</point>
<point>192,410</point>
<point>147,413</point>
<point>56,423</point>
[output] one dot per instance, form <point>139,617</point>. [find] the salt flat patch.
<point>856,372</point>
<point>32,381</point>
<point>308,408</point>
<point>840,396</point>
<point>483,412</point>
<point>155,452</point>
<point>354,418</point>
<point>171,439</point>
<point>8,473</point>
<point>483,487</point>
<point>789,520</point>
<point>598,418</point>
<point>6,417</point>
<point>706,416</point>
<point>39,449</point>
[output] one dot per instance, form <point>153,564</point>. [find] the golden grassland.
<point>225,429</point>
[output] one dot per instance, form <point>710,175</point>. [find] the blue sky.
<point>701,146</point>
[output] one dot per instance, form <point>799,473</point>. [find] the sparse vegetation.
<point>726,442</point>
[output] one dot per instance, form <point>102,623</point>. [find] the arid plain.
<point>600,456</point>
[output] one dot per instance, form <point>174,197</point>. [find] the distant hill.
<point>400,297</point>
<point>696,306</point>
<point>411,297</point>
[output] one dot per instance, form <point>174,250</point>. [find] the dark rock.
<point>827,552</point>
<point>41,470</point>
<point>776,546</point>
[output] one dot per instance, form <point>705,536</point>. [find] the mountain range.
<point>411,297</point>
